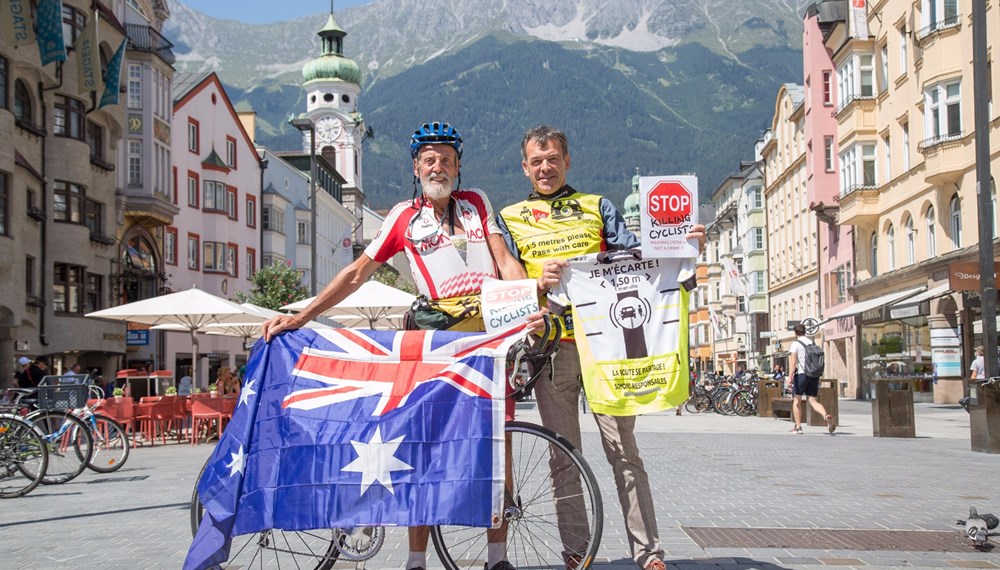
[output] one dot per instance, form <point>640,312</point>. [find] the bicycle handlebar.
<point>538,355</point>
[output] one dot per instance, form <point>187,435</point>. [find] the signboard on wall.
<point>946,352</point>
<point>964,275</point>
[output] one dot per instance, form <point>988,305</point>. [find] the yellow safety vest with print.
<point>567,225</point>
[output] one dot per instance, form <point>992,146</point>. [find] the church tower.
<point>332,84</point>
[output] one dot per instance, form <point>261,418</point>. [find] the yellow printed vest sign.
<point>631,330</point>
<point>566,227</point>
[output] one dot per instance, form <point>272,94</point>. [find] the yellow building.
<point>905,144</point>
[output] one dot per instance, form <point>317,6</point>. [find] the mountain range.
<point>654,86</point>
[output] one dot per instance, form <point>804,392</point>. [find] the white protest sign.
<point>668,211</point>
<point>508,303</point>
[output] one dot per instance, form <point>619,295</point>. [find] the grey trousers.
<point>558,394</point>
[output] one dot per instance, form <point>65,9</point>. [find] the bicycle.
<point>533,531</point>
<point>67,439</point>
<point>111,445</point>
<point>23,457</point>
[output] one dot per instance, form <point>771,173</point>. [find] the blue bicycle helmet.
<point>435,133</point>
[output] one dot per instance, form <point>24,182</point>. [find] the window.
<point>94,288</point>
<point>231,202</point>
<point>94,217</point>
<point>4,203</point>
<point>931,225</point>
<point>66,285</point>
<point>213,197</point>
<point>937,14</point>
<point>170,246</point>
<point>29,275</point>
<point>23,110</point>
<point>827,87</point>
<point>758,283</point>
<point>911,242</point>
<point>837,282</point>
<point>902,50</point>
<point>193,190</point>
<point>4,83</point>
<point>873,252</point>
<point>955,214</point>
<point>67,202</point>
<point>883,80</point>
<point>868,164</point>
<point>214,258</point>
<point>855,78</point>
<point>272,219</point>
<point>95,140</point>
<point>134,86</point>
<point>68,118</point>
<point>193,251</point>
<point>251,262</point>
<point>944,115</point>
<point>906,147</point>
<point>232,255</point>
<point>73,22</point>
<point>757,238</point>
<point>193,143</point>
<point>302,235</point>
<point>251,212</point>
<point>866,71</point>
<point>230,152</point>
<point>756,197</point>
<point>134,162</point>
<point>887,150</point>
<point>828,153</point>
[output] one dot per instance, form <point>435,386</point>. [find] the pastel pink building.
<point>836,244</point>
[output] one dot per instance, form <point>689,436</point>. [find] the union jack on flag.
<point>346,427</point>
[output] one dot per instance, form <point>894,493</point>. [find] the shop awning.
<point>938,291</point>
<point>887,299</point>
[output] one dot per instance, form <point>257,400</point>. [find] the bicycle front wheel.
<point>23,457</point>
<point>274,548</point>
<point>548,526</point>
<point>111,445</point>
<point>68,441</point>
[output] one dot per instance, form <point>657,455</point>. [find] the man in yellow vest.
<point>556,223</point>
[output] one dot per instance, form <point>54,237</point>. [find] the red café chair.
<point>202,415</point>
<point>122,411</point>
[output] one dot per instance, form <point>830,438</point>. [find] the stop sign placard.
<point>669,203</point>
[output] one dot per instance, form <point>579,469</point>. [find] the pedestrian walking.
<point>803,384</point>
<point>978,368</point>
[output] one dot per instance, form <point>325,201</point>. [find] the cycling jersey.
<point>632,329</point>
<point>440,269</point>
<point>563,225</point>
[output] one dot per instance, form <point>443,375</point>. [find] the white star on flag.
<point>238,461</point>
<point>376,461</point>
<point>246,392</point>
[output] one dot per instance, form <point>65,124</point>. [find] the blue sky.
<point>266,11</point>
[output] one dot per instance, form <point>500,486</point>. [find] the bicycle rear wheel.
<point>534,536</point>
<point>111,445</point>
<point>68,441</point>
<point>274,548</point>
<point>698,403</point>
<point>23,457</point>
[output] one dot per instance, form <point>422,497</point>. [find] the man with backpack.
<point>806,361</point>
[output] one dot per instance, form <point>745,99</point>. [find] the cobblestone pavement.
<point>706,471</point>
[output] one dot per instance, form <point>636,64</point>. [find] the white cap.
<point>24,360</point>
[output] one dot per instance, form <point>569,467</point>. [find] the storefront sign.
<point>136,338</point>
<point>910,310</point>
<point>964,276</point>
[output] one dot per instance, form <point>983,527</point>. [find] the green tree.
<point>274,287</point>
<point>387,275</point>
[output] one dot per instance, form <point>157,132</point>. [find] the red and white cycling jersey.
<point>443,266</point>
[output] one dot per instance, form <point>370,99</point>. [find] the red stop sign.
<point>669,203</point>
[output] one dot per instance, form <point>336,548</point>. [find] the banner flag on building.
<point>88,58</point>
<point>859,19</point>
<point>715,322</point>
<point>113,76</point>
<point>50,32</point>
<point>736,283</point>
<point>349,427</point>
<point>16,27</point>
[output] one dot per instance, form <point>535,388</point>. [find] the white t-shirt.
<point>800,352</point>
<point>978,367</point>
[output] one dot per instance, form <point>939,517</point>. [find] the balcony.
<point>146,38</point>
<point>859,205</point>
<point>927,32</point>
<point>946,157</point>
<point>99,162</point>
<point>857,114</point>
<point>152,206</point>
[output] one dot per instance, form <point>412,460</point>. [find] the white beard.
<point>436,190</point>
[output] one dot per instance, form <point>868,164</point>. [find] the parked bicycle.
<point>24,456</point>
<point>111,442</point>
<point>529,504</point>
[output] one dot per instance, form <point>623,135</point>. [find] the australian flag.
<point>345,428</point>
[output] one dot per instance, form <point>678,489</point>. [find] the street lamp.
<point>306,124</point>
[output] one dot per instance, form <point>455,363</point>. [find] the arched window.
<point>139,278</point>
<point>873,250</point>
<point>890,245</point>
<point>911,242</point>
<point>955,215</point>
<point>931,224</point>
<point>22,103</point>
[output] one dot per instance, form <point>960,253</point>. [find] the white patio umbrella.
<point>190,310</point>
<point>373,305</point>
<point>245,330</point>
